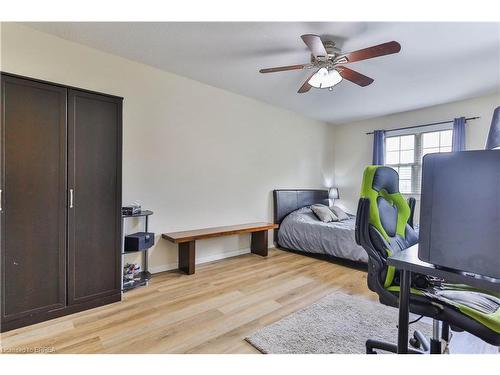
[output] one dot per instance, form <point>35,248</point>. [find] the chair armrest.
<point>411,202</point>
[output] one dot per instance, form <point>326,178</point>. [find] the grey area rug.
<point>338,323</point>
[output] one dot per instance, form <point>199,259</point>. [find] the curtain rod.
<point>434,123</point>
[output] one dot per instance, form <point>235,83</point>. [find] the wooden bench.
<point>186,240</point>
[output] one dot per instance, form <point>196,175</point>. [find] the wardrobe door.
<point>94,169</point>
<point>33,200</point>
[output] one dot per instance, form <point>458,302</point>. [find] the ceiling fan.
<point>328,63</point>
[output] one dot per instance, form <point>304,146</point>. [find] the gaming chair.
<point>384,226</point>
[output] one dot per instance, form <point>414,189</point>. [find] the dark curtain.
<point>458,138</point>
<point>494,134</point>
<point>378,147</point>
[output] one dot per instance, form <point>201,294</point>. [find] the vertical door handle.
<point>71,196</point>
<point>1,196</point>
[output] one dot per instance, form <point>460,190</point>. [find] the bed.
<point>300,230</point>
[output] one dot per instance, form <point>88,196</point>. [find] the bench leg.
<point>259,243</point>
<point>187,252</point>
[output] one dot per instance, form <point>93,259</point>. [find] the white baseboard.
<point>199,260</point>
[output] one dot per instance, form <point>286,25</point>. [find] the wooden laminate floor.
<point>208,312</point>
<point>211,311</point>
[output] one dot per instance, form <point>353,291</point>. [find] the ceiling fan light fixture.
<point>325,78</point>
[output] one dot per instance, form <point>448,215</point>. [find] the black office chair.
<point>384,226</point>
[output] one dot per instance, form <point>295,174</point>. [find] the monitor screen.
<point>460,211</point>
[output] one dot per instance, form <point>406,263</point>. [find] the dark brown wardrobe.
<point>61,155</point>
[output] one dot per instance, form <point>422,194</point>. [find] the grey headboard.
<point>289,200</point>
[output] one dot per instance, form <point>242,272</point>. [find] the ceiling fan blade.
<point>369,53</point>
<point>306,86</point>
<point>284,68</point>
<point>353,76</point>
<point>315,45</point>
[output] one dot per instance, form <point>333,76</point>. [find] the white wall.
<point>196,155</point>
<point>352,148</point>
<point>200,156</point>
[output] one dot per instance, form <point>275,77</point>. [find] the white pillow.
<point>339,213</point>
<point>323,213</point>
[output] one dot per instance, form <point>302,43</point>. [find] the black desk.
<point>407,262</point>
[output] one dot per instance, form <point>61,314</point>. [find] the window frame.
<point>416,166</point>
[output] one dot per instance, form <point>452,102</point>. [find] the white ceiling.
<point>438,62</point>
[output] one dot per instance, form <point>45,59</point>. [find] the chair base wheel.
<point>421,341</point>
<point>415,343</point>
<point>371,345</point>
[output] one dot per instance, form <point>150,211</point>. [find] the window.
<point>436,142</point>
<point>400,154</point>
<point>404,154</point>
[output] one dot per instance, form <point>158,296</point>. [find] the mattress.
<point>301,230</point>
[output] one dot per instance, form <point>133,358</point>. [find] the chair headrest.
<point>383,182</point>
<point>387,179</point>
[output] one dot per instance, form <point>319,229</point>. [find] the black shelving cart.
<point>145,275</point>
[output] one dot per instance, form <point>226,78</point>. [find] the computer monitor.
<point>460,211</point>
